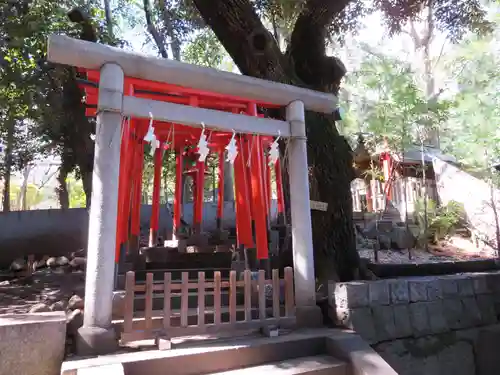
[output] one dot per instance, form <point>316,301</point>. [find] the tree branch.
<point>241,32</point>
<point>152,30</point>
<point>308,45</point>
<point>168,18</point>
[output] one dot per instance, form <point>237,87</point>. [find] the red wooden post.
<point>259,209</point>
<point>267,168</point>
<point>137,196</point>
<point>155,209</point>
<point>125,150</point>
<point>243,218</point>
<point>179,169</point>
<point>220,190</point>
<point>279,188</point>
<point>199,195</point>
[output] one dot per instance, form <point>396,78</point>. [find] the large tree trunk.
<point>256,53</point>
<point>8,166</point>
<point>22,203</point>
<point>62,188</point>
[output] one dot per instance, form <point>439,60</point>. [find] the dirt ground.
<point>44,286</point>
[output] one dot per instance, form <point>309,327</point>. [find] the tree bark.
<point>22,204</point>
<point>256,53</point>
<point>159,40</point>
<point>8,166</point>
<point>168,18</point>
<point>62,189</point>
<point>109,19</point>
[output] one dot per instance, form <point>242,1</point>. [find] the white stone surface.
<point>32,344</point>
<point>103,211</point>
<point>302,244</point>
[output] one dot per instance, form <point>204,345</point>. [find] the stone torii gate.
<point>97,336</point>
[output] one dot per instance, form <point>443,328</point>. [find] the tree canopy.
<point>284,41</point>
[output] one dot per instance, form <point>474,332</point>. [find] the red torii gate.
<point>251,168</point>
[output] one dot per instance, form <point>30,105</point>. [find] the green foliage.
<point>204,50</point>
<point>76,193</point>
<point>389,102</point>
<point>441,220</point>
<point>34,196</point>
<point>472,130</point>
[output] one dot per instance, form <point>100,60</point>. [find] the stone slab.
<point>359,320</point>
<point>480,284</point>
<point>449,287</point>
<point>400,293</point>
<point>418,290</point>
<point>402,321</point>
<point>437,320</point>
<point>32,344</point>
<point>487,308</point>
<point>434,289</point>
<point>465,286</point>
<point>351,295</point>
<point>379,293</point>
<point>453,310</point>
<point>419,318</point>
<point>471,315</point>
<point>383,317</point>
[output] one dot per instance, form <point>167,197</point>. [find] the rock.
<point>58,306</point>
<point>118,305</point>
<point>74,320</point>
<point>384,241</point>
<point>78,263</point>
<point>401,238</point>
<point>18,265</point>
<point>39,307</point>
<point>42,262</point>
<point>78,254</point>
<point>51,262</point>
<point>5,283</point>
<point>76,302</point>
<point>62,261</point>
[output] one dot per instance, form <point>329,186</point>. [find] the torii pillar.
<point>97,336</point>
<point>307,312</point>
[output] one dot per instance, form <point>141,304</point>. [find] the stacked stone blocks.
<point>393,309</point>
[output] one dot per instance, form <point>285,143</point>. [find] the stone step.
<point>317,365</point>
<point>311,351</point>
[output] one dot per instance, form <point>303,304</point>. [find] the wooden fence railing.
<point>252,303</point>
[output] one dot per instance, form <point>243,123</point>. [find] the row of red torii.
<point>252,165</point>
<point>138,96</point>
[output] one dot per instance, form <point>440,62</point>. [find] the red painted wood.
<point>258,191</point>
<point>279,187</point>
<point>220,186</point>
<point>137,199</point>
<point>243,218</point>
<point>155,209</point>
<point>178,190</point>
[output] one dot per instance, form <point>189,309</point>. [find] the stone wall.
<point>432,325</point>
<point>61,232</point>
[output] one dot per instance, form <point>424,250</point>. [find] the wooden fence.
<point>252,304</point>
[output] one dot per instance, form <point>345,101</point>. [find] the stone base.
<point>95,341</point>
<point>309,316</point>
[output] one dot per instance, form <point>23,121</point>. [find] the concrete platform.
<point>32,344</point>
